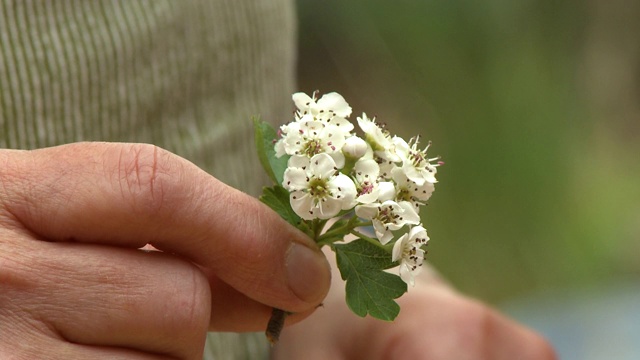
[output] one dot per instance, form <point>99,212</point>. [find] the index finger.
<point>133,194</point>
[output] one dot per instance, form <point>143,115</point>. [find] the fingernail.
<point>308,272</point>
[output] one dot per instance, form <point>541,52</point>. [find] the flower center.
<point>417,158</point>
<point>312,147</point>
<point>318,188</point>
<point>365,188</point>
<point>404,195</point>
<point>386,215</point>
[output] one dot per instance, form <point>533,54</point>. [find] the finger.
<point>44,347</point>
<point>456,327</point>
<point>506,339</point>
<point>148,301</point>
<point>232,311</point>
<point>130,195</point>
<point>70,351</point>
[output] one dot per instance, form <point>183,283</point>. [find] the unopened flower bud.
<point>354,147</point>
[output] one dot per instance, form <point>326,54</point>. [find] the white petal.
<point>293,143</point>
<point>367,169</point>
<point>401,147</point>
<point>366,124</point>
<point>303,118</point>
<point>367,211</point>
<point>298,161</point>
<point>332,137</point>
<point>429,174</point>
<point>329,208</point>
<point>302,100</point>
<point>302,204</point>
<point>386,237</point>
<point>387,191</point>
<point>290,128</point>
<point>406,275</point>
<point>337,103</point>
<point>322,165</point>
<point>390,203</point>
<point>396,254</point>
<point>381,232</point>
<point>412,173</point>
<point>370,197</point>
<point>423,192</point>
<point>295,179</point>
<point>310,126</point>
<point>342,123</point>
<point>409,216</point>
<point>418,232</point>
<point>338,158</point>
<point>386,168</point>
<point>343,185</point>
<point>398,175</point>
<point>394,227</point>
<point>279,148</point>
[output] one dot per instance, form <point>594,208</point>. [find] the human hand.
<point>74,284</point>
<point>435,323</point>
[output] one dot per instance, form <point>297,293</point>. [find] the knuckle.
<point>145,177</point>
<point>10,278</point>
<point>16,269</point>
<point>190,308</point>
<point>13,178</point>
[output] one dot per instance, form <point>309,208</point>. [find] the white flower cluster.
<point>383,177</point>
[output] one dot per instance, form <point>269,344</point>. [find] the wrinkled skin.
<point>74,283</point>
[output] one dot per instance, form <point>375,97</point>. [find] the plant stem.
<point>316,228</point>
<point>325,239</point>
<point>371,240</point>
<point>275,325</point>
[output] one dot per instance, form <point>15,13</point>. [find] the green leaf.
<point>265,137</point>
<point>369,289</point>
<point>277,198</point>
<point>336,232</point>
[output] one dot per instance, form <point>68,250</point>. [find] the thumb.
<point>129,195</point>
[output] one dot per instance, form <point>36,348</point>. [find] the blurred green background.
<point>534,106</point>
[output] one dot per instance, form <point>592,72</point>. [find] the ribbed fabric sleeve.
<point>186,75</point>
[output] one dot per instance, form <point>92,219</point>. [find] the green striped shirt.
<point>186,75</point>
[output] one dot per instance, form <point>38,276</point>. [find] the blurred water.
<point>588,324</point>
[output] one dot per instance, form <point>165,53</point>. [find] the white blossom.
<point>317,189</point>
<point>378,138</point>
<point>415,163</point>
<point>330,109</point>
<point>386,191</point>
<point>408,190</point>
<point>365,174</point>
<point>309,138</point>
<point>388,216</point>
<point>408,250</point>
<point>386,167</point>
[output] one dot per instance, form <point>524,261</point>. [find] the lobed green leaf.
<point>369,290</point>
